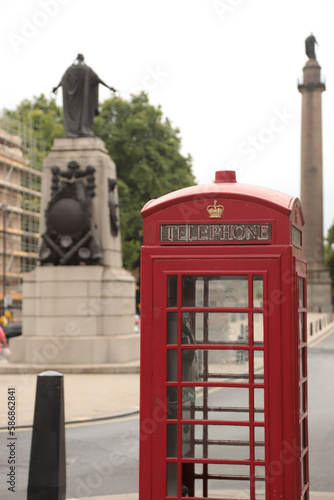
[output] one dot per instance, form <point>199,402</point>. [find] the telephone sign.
<point>215,232</point>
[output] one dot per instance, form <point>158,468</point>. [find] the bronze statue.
<point>70,237</point>
<point>80,98</point>
<point>309,46</point>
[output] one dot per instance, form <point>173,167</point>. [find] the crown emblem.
<point>215,211</point>
<point>297,215</point>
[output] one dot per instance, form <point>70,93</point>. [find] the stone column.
<point>319,282</point>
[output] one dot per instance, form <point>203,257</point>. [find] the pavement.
<point>87,396</point>
<point>90,397</point>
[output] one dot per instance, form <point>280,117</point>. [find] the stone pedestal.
<point>86,151</point>
<point>80,315</point>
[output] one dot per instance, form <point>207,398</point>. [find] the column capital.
<point>309,87</point>
<point>311,77</point>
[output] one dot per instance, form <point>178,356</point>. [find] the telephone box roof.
<point>225,186</point>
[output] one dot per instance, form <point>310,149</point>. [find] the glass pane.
<point>189,398</point>
<point>304,325</point>
<point>209,364</point>
<point>228,291</point>
<point>304,471</point>
<point>171,328</point>
<point>171,440</point>
<point>301,328</point>
<point>260,485</point>
<point>172,291</point>
<point>301,292</point>
<point>259,443</point>
<point>188,471</point>
<point>188,440</point>
<point>233,480</point>
<point>305,474</point>
<point>240,489</point>
<point>212,328</point>
<point>258,366</point>
<point>302,389</point>
<point>303,434</point>
<point>258,328</point>
<point>302,370</point>
<point>171,365</point>
<point>228,470</point>
<point>301,400</point>
<point>259,405</point>
<point>188,329</point>
<point>215,403</point>
<point>215,291</point>
<point>171,402</point>
<point>189,365</point>
<point>260,490</point>
<point>257,291</point>
<point>296,236</point>
<point>199,292</point>
<point>171,480</point>
<point>260,472</point>
<point>193,291</point>
<point>225,442</point>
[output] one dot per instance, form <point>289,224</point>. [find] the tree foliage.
<point>143,144</point>
<point>329,255</point>
<point>146,150</point>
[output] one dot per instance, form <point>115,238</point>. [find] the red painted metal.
<point>223,345</point>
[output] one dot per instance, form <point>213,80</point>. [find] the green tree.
<point>329,255</point>
<point>146,150</point>
<point>144,145</point>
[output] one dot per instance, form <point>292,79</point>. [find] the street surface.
<point>102,457</point>
<point>321,414</point>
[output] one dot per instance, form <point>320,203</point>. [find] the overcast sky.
<point>225,72</point>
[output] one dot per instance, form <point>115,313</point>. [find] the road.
<point>102,458</point>
<point>321,414</point>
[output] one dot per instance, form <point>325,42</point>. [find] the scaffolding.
<point>20,186</point>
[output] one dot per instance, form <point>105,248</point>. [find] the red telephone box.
<point>223,347</point>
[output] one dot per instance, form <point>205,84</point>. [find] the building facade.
<point>20,186</point>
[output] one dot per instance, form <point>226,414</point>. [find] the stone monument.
<point>319,281</point>
<point>79,303</point>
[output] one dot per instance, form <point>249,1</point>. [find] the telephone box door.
<point>216,372</point>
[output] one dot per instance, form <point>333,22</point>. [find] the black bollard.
<point>47,471</point>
